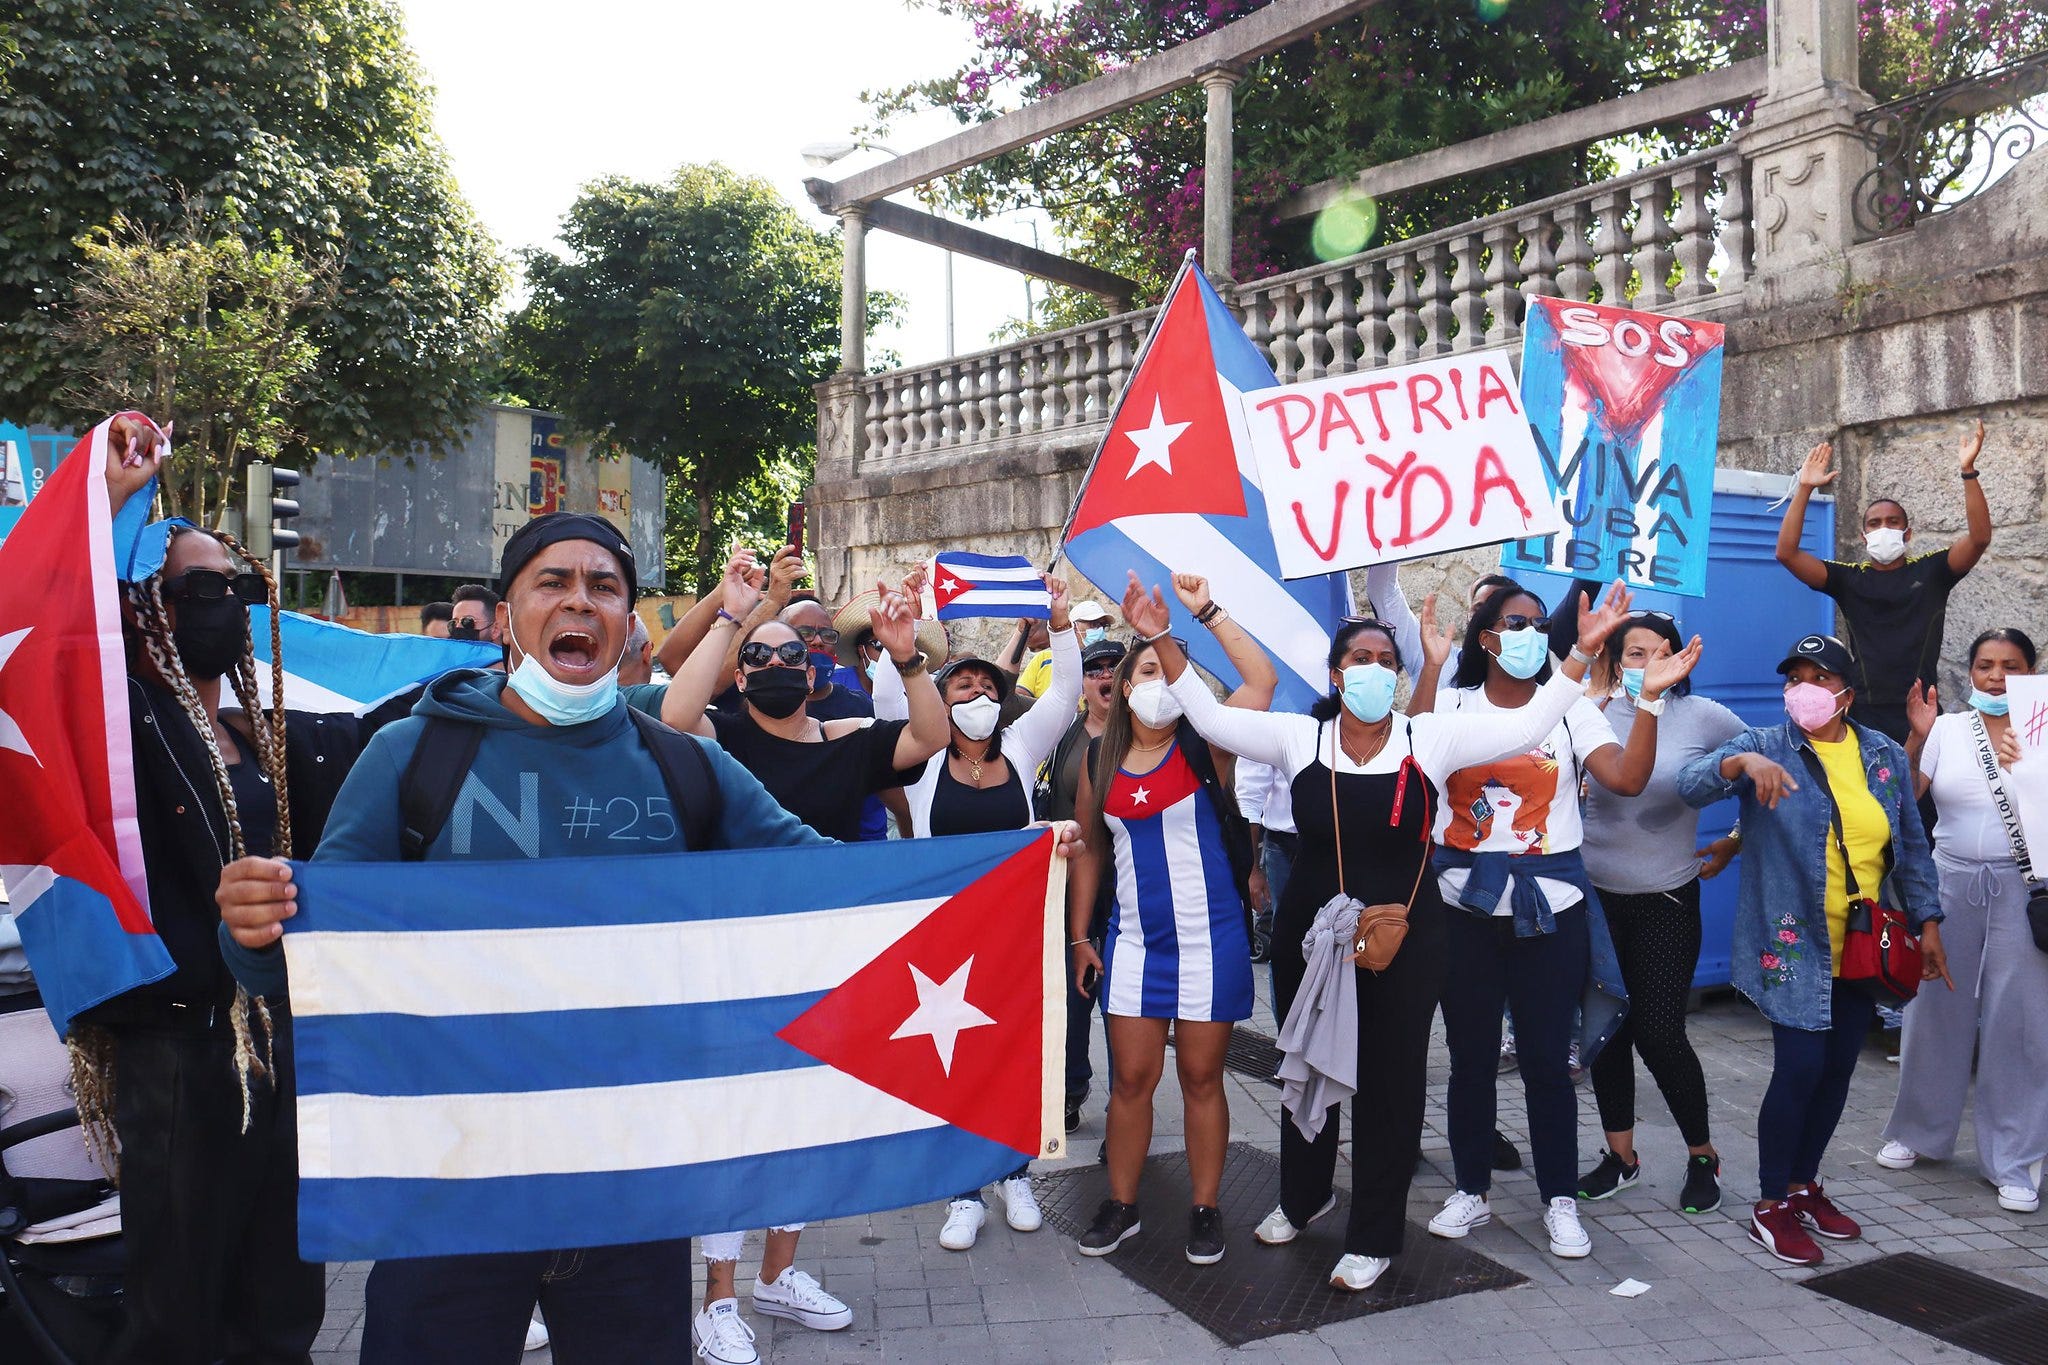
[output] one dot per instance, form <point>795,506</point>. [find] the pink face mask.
<point>1811,706</point>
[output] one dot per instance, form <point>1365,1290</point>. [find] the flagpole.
<point>1059,549</point>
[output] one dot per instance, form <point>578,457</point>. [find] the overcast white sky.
<point>536,97</point>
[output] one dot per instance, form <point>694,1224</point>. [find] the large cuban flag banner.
<point>583,1052</point>
<point>70,849</point>
<point>332,667</point>
<point>1173,488</point>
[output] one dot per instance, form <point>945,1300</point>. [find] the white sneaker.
<point>799,1297</point>
<point>722,1336</point>
<point>536,1332</point>
<point>1276,1231</point>
<point>1020,1205</point>
<point>1461,1213</point>
<point>1897,1156</point>
<point>2019,1198</point>
<point>1561,1221</point>
<point>964,1218</point>
<point>1358,1272</point>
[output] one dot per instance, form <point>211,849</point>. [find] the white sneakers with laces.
<point>964,1218</point>
<point>2019,1198</point>
<point>1897,1156</point>
<point>1355,1272</point>
<point>1567,1238</point>
<point>1277,1231</point>
<point>722,1336</point>
<point>798,1296</point>
<point>1461,1213</point>
<point>1020,1205</point>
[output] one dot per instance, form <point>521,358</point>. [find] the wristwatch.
<point>1652,708</point>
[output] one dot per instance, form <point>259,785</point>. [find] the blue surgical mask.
<point>1094,635</point>
<point>870,670</point>
<point>1632,681</point>
<point>1369,691</point>
<point>560,703</point>
<point>1524,652</point>
<point>1988,704</point>
<point>821,668</point>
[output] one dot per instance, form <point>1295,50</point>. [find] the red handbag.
<point>1880,952</point>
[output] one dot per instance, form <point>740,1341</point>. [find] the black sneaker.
<point>1505,1157</point>
<point>1205,1235</point>
<point>1702,1192</point>
<point>1609,1178</point>
<point>1114,1225</point>
<point>1074,1111</point>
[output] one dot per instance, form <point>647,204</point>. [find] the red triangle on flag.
<point>949,1017</point>
<point>1169,449</point>
<point>948,584</point>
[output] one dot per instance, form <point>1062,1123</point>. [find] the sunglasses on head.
<point>211,585</point>
<point>1372,621</point>
<point>1653,615</point>
<point>759,653</point>
<point>823,635</point>
<point>1517,621</point>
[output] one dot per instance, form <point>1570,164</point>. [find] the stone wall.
<point>1896,345</point>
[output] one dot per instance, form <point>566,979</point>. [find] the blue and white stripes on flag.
<point>331,667</point>
<point>961,585</point>
<point>580,1052</point>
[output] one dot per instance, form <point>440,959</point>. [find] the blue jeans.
<point>1810,1073</point>
<point>603,1304</point>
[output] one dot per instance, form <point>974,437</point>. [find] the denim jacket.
<point>1782,959</point>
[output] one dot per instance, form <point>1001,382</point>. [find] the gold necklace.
<point>1370,753</point>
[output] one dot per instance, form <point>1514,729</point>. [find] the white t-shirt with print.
<point>1528,803</point>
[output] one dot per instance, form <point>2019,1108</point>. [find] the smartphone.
<point>796,527</point>
<point>1090,975</point>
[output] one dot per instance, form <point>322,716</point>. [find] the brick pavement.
<point>1713,1297</point>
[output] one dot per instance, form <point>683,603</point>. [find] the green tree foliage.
<point>202,325</point>
<point>301,121</point>
<point>688,324</point>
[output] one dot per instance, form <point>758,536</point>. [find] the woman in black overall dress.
<point>1388,772</point>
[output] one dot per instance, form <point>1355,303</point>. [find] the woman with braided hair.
<point>193,1077</point>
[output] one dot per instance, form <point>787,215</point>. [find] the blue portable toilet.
<point>1754,609</point>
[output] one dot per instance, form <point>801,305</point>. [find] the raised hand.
<point>1923,707</point>
<point>1145,612</point>
<point>1596,626</point>
<point>1436,641</point>
<point>2009,749</point>
<point>785,571</point>
<point>1972,444</point>
<point>1057,586</point>
<point>741,584</point>
<point>1193,591</point>
<point>1818,471</point>
<point>895,624</point>
<point>1661,675</point>
<point>134,451</point>
<point>913,584</point>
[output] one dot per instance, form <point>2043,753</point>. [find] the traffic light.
<point>266,514</point>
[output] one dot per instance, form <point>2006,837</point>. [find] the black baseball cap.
<point>1109,651</point>
<point>1824,650</point>
<point>552,528</point>
<point>961,662</point>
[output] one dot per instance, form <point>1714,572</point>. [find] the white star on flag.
<point>942,1013</point>
<point>10,732</point>
<point>1141,796</point>
<point>947,585</point>
<point>1155,443</point>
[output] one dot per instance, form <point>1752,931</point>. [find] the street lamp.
<point>822,154</point>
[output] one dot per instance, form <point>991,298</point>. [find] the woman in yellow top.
<point>1792,915</point>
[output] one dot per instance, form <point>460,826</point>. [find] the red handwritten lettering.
<point>1289,432</point>
<point>1417,404</point>
<point>1394,472</point>
<point>1458,392</point>
<point>1334,416</point>
<point>1492,388</point>
<point>1409,535</point>
<point>1489,473</point>
<point>1372,394</point>
<point>1371,522</point>
<point>1336,524</point>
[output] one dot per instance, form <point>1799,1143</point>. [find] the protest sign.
<point>1397,463</point>
<point>2027,695</point>
<point>1625,408</point>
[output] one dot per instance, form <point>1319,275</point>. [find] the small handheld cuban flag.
<point>332,667</point>
<point>961,585</point>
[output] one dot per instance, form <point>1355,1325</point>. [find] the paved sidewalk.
<point>1713,1297</point>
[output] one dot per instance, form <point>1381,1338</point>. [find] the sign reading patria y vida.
<point>1626,411</point>
<point>1397,463</point>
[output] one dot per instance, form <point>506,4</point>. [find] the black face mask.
<point>210,635</point>
<point>776,692</point>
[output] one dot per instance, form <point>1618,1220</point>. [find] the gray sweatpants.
<point>1999,1009</point>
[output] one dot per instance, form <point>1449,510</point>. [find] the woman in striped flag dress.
<point>1164,827</point>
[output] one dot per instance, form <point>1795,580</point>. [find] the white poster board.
<point>1397,463</point>
<point>2028,695</point>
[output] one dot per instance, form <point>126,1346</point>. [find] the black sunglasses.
<point>1098,670</point>
<point>211,585</point>
<point>1653,615</point>
<point>823,635</point>
<point>1517,621</point>
<point>759,653</point>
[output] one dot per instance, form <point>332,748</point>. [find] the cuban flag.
<point>70,848</point>
<point>1173,487</point>
<point>331,667</point>
<point>960,585</point>
<point>595,1051</point>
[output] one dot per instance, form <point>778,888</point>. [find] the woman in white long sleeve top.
<point>1354,763</point>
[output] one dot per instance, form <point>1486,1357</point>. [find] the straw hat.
<point>851,621</point>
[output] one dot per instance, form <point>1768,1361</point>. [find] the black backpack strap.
<point>432,777</point>
<point>692,785</point>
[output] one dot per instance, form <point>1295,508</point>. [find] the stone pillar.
<point>853,290</point>
<point>1219,185</point>
<point>1804,157</point>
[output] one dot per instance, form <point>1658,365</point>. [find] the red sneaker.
<point>1819,1213</point>
<point>1778,1230</point>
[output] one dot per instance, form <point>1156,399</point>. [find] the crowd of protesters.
<point>1518,840</point>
